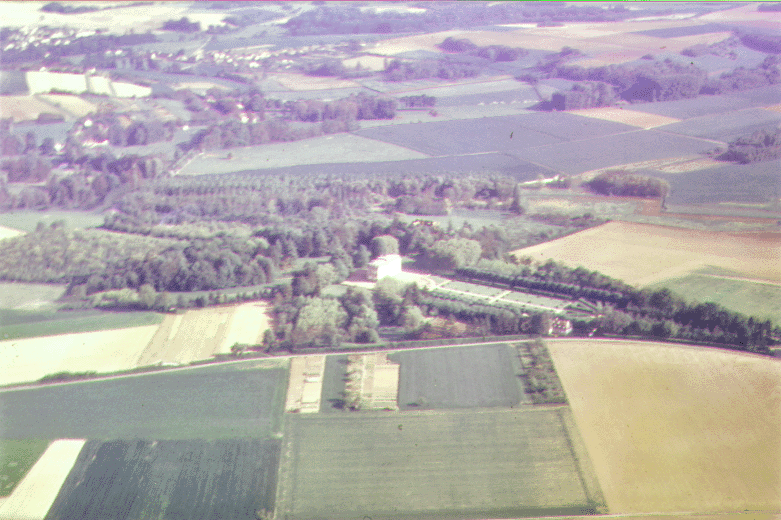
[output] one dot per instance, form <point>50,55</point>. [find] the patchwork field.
<point>201,333</point>
<point>23,323</point>
<point>194,479</point>
<point>213,402</point>
<point>34,495</point>
<point>459,377</point>
<point>675,428</point>
<point>29,359</point>
<point>305,384</point>
<point>501,463</point>
<point>318,150</point>
<point>622,249</point>
<point>16,459</point>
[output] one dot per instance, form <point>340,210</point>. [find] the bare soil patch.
<point>627,117</point>
<point>305,384</point>
<point>674,428</point>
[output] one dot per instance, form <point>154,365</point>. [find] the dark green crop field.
<point>436,464</point>
<point>459,377</point>
<point>202,403</point>
<point>160,480</point>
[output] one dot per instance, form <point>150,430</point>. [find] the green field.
<point>16,459</point>
<point>210,402</point>
<point>28,220</point>
<point>454,464</point>
<point>16,324</point>
<point>762,300</point>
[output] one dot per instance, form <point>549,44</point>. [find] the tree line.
<point>762,145</point>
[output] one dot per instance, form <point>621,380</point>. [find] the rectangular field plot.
<point>196,480</point>
<point>689,108</point>
<point>500,133</point>
<point>489,464</point>
<point>615,150</point>
<point>727,126</point>
<point>674,428</point>
<point>459,377</point>
<point>205,403</point>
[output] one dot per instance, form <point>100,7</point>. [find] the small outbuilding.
<point>383,266</point>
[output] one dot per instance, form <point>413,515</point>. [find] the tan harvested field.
<point>673,428</point>
<point>35,494</point>
<point>247,325</point>
<point>317,150</point>
<point>29,359</point>
<point>691,165</point>
<point>367,62</point>
<point>702,39</point>
<point>642,254</point>
<point>201,333</point>
<point>6,232</point>
<point>198,86</point>
<point>71,104</point>
<point>627,117</point>
<point>25,108</point>
<point>304,82</point>
<point>305,384</point>
<point>746,12</point>
<point>774,108</point>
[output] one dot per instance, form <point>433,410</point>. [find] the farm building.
<point>560,327</point>
<point>382,266</point>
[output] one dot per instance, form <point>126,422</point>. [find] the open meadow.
<point>29,296</point>
<point>672,428</point>
<point>28,220</point>
<point>211,402</point>
<point>193,479</point>
<point>29,359</point>
<point>34,495</point>
<point>622,250</point>
<point>433,464</point>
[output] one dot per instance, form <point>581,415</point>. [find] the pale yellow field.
<point>676,428</point>
<point>35,494</point>
<point>305,384</point>
<point>25,108</point>
<point>774,108</point>
<point>304,82</point>
<point>71,104</point>
<point>746,12</point>
<point>642,254</point>
<point>246,326</point>
<point>6,232</point>
<point>367,62</point>
<point>201,333</point>
<point>29,359</point>
<point>628,117</point>
<point>702,39</point>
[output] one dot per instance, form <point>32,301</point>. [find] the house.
<point>383,266</point>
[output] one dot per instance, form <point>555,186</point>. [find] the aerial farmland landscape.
<point>390,260</point>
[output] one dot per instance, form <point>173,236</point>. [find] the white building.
<point>382,266</point>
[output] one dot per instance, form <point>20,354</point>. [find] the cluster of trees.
<point>492,53</point>
<point>646,82</point>
<point>121,130</point>
<point>421,101</point>
<point>763,42</point>
<point>762,145</point>
<point>659,314</point>
<point>55,7</point>
<point>539,375</point>
<point>182,25</point>
<point>623,184</point>
<point>352,20</point>
<point>96,43</point>
<point>449,69</point>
